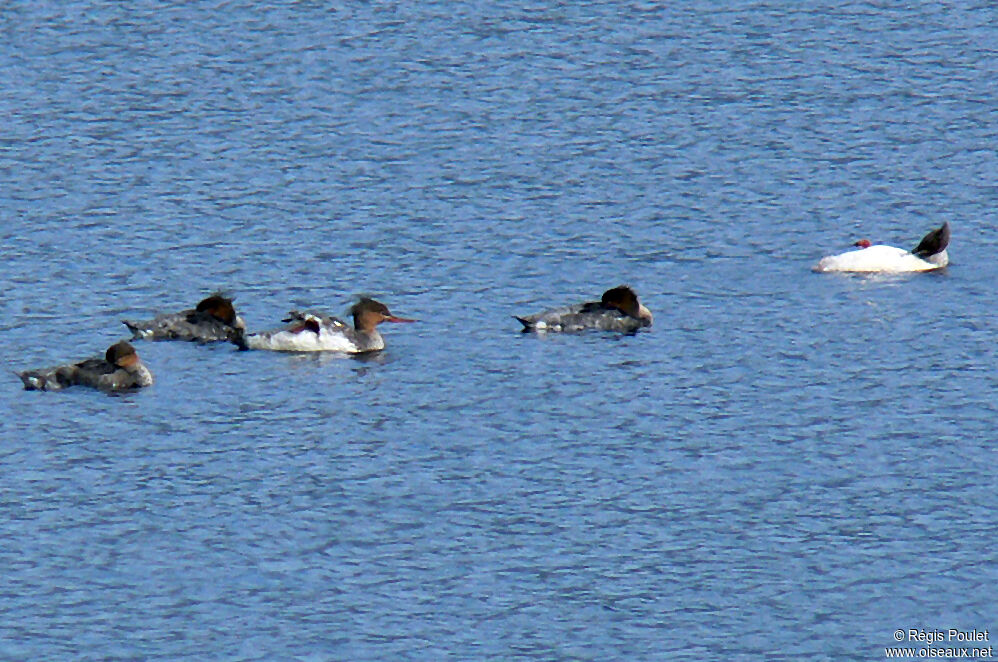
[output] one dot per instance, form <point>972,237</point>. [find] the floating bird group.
<point>214,319</point>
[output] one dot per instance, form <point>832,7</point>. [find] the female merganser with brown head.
<point>212,320</point>
<point>618,310</point>
<point>120,369</point>
<point>930,254</point>
<point>317,332</point>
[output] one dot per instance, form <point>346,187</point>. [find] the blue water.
<point>785,466</point>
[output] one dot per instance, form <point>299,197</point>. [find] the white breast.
<point>303,341</point>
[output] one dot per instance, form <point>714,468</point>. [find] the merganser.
<point>930,254</point>
<point>618,310</point>
<point>212,320</point>
<point>318,332</point>
<point>120,369</point>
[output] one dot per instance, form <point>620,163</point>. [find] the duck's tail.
<point>139,329</point>
<point>934,242</point>
<point>34,381</point>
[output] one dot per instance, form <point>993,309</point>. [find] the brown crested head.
<point>863,243</point>
<point>368,313</point>
<point>121,354</point>
<point>623,299</point>
<point>219,307</point>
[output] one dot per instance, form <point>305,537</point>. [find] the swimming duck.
<point>930,254</point>
<point>318,332</point>
<point>617,310</point>
<point>120,369</point>
<point>212,320</point>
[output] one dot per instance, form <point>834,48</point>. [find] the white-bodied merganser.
<point>212,320</point>
<point>930,254</point>
<point>618,310</point>
<point>120,369</point>
<point>317,332</point>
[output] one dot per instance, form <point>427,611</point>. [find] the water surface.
<point>786,465</point>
